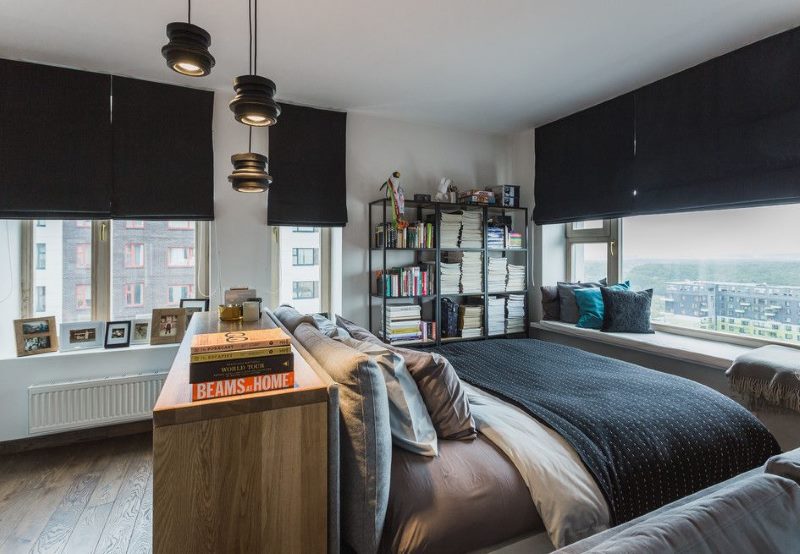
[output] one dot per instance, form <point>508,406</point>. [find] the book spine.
<point>249,345</point>
<point>243,385</point>
<point>240,354</point>
<point>232,369</point>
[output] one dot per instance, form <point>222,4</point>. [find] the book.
<point>239,340</point>
<point>240,354</point>
<point>242,385</point>
<point>230,369</point>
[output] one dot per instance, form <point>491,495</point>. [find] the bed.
<point>547,465</point>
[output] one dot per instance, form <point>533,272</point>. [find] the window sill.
<point>93,352</point>
<point>680,347</point>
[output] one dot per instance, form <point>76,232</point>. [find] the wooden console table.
<point>244,473</point>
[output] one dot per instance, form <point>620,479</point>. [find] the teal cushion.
<point>590,305</point>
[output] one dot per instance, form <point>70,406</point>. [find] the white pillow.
<point>412,428</point>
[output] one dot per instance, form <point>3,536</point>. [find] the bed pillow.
<point>568,307</point>
<point>590,305</point>
<point>437,382</point>
<point>329,328</point>
<point>551,309</point>
<point>365,436</point>
<point>626,311</point>
<point>291,318</point>
<point>411,425</point>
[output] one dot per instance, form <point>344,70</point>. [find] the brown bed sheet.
<point>469,497</point>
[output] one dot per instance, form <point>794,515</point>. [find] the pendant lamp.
<point>250,170</point>
<point>187,50</point>
<point>254,102</point>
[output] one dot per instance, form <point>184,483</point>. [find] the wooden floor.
<point>91,497</point>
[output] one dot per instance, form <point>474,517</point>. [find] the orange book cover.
<point>242,385</point>
<point>239,340</point>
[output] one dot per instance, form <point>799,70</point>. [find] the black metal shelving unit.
<point>383,206</point>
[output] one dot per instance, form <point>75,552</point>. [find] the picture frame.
<point>81,335</point>
<point>140,331</point>
<point>167,325</point>
<point>192,306</point>
<point>36,335</point>
<point>118,334</point>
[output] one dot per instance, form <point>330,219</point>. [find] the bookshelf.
<point>383,259</point>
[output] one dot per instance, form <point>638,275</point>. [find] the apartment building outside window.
<point>305,290</point>
<point>83,255</point>
<point>83,297</point>
<point>41,299</point>
<point>180,257</point>
<point>305,256</point>
<point>302,267</point>
<point>134,255</point>
<point>134,294</point>
<point>41,255</point>
<point>178,292</point>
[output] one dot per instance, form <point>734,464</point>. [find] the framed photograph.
<point>118,334</point>
<point>167,325</point>
<point>81,335</point>
<point>140,331</point>
<point>192,306</point>
<point>36,335</point>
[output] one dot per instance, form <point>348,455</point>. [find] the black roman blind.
<point>163,155</point>
<point>55,142</point>
<point>723,134</point>
<point>583,164</point>
<point>307,164</point>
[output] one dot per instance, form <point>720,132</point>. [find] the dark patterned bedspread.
<point>647,437</point>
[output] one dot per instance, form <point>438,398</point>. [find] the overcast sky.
<point>769,233</point>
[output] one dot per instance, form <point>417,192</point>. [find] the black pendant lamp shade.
<point>254,104</point>
<point>187,50</point>
<point>249,173</point>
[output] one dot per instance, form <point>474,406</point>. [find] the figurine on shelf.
<point>395,192</point>
<point>443,190</point>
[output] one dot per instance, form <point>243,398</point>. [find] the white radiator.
<point>92,403</point>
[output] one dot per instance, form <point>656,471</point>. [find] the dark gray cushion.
<point>291,318</point>
<point>551,307</point>
<point>626,311</point>
<point>365,436</point>
<point>437,382</point>
<point>568,307</point>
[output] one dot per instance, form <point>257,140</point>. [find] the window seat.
<point>691,349</point>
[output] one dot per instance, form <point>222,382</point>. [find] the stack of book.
<point>240,362</point>
<point>405,281</point>
<point>516,278</point>
<point>428,330</point>
<point>416,235</point>
<point>450,273</point>
<point>402,323</point>
<point>495,237</point>
<point>450,227</point>
<point>514,240</point>
<point>496,313</point>
<point>470,320</point>
<point>476,196</point>
<point>498,269</point>
<point>471,272</point>
<point>471,230</point>
<point>515,313</point>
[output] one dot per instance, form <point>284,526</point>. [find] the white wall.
<point>423,154</point>
<point>9,285</point>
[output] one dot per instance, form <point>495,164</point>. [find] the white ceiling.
<point>492,65</point>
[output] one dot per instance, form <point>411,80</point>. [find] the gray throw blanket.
<point>768,376</point>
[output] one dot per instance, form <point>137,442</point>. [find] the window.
<point>41,299</point>
<point>41,223</point>
<point>177,292</point>
<point>180,225</point>
<point>41,255</point>
<point>134,255</point>
<point>592,250</point>
<point>83,297</point>
<point>134,294</point>
<point>304,229</point>
<point>728,271</point>
<point>83,255</point>
<point>180,257</point>
<point>305,289</point>
<point>305,256</point>
<point>134,224</point>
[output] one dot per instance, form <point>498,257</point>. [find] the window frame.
<point>191,259</point>
<point>130,251</point>
<point>296,256</point>
<point>189,293</point>
<point>127,290</point>
<point>78,305</point>
<point>40,256</point>
<point>315,290</point>
<point>609,233</point>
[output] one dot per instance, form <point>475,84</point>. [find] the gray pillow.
<point>329,328</point>
<point>786,465</point>
<point>365,436</point>
<point>551,307</point>
<point>411,425</point>
<point>291,318</point>
<point>437,382</point>
<point>626,311</point>
<point>568,307</point>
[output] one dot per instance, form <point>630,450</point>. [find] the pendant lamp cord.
<point>190,11</point>
<point>250,29</point>
<point>250,139</point>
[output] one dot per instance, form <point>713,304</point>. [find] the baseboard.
<point>73,437</point>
